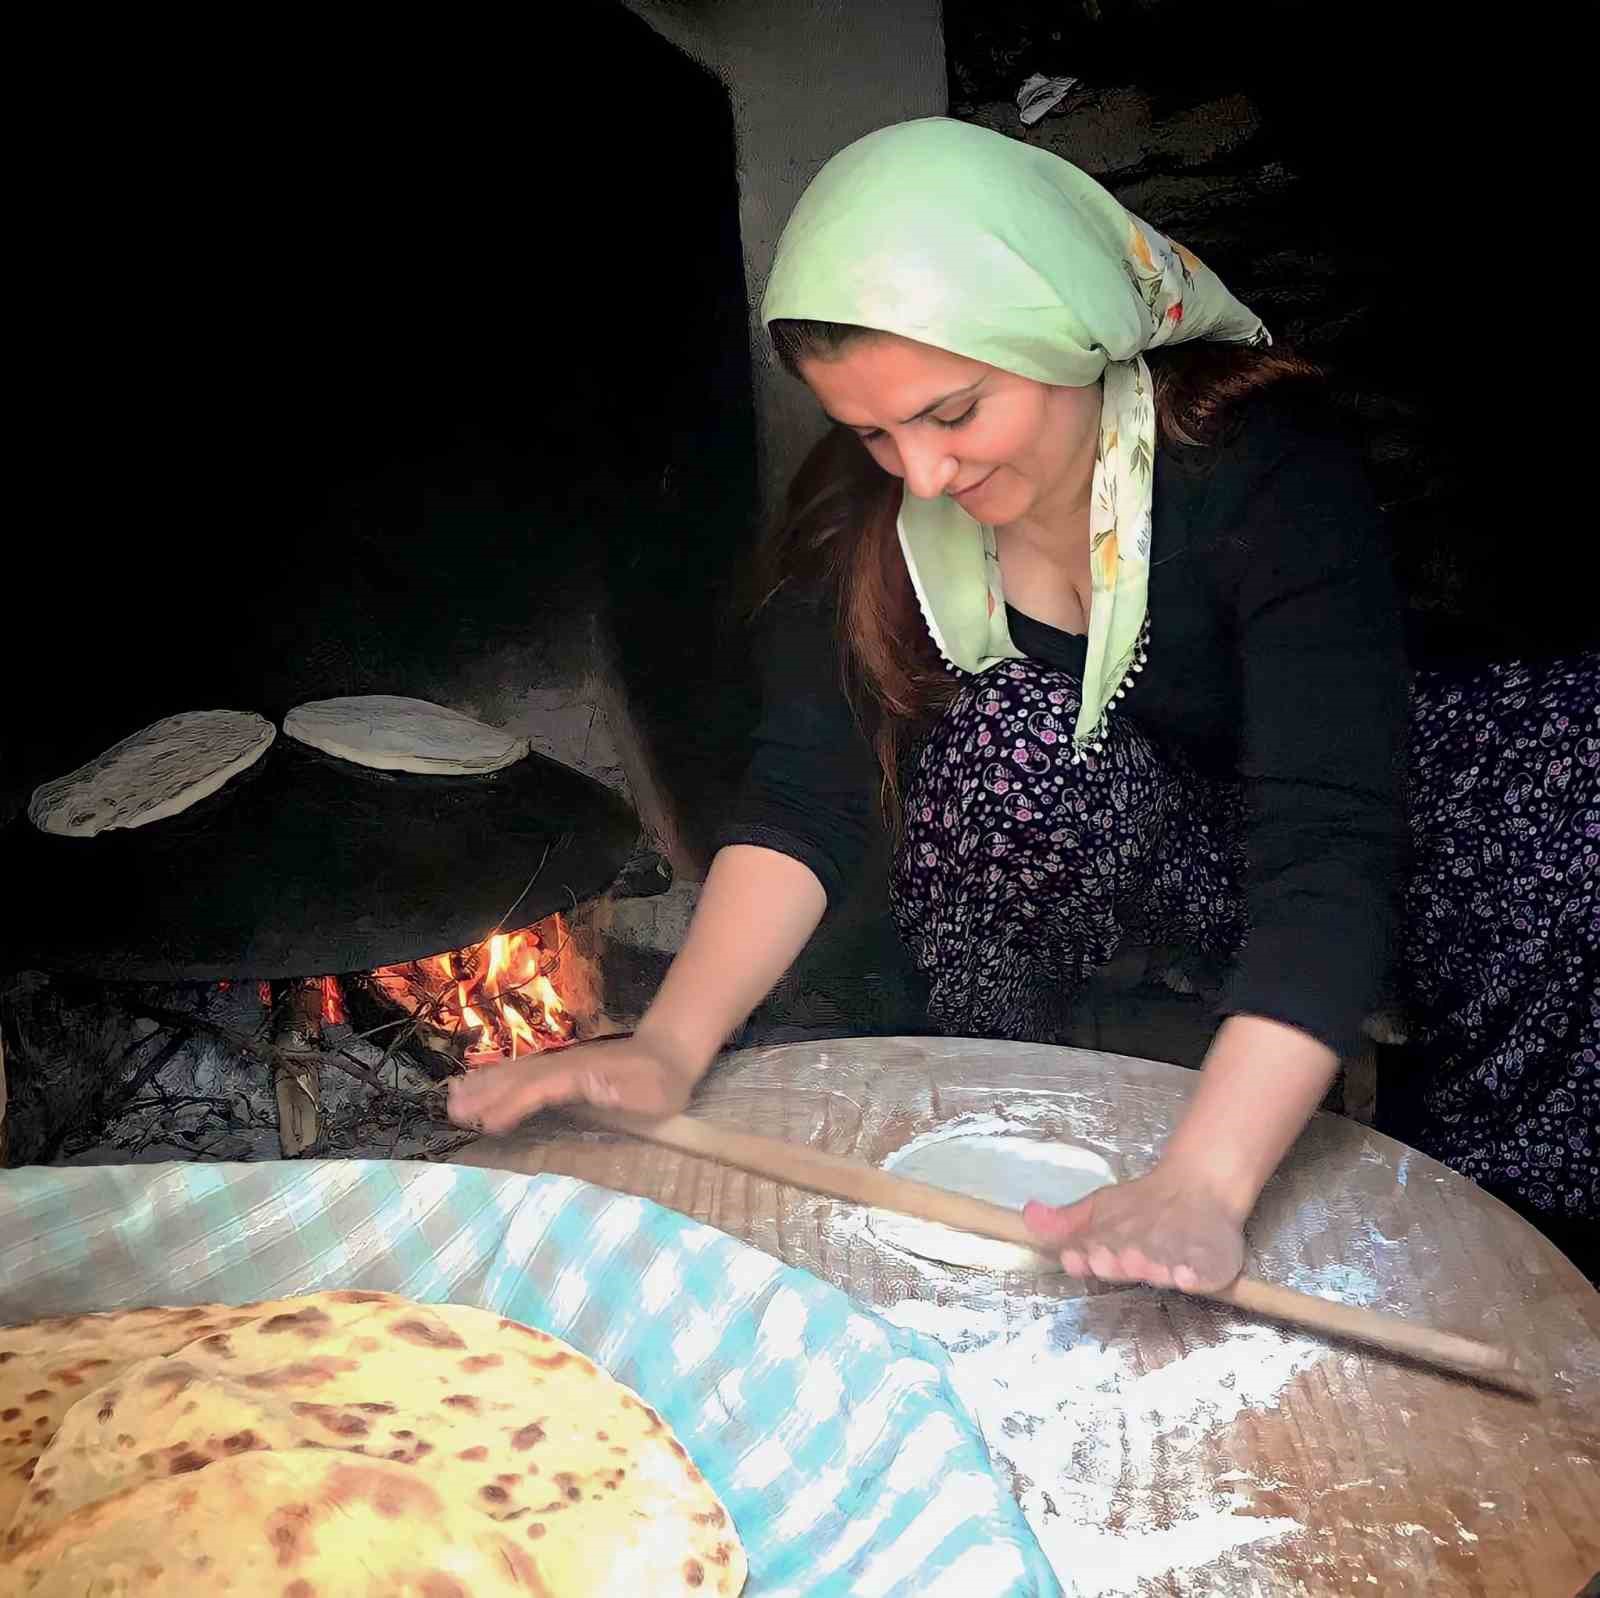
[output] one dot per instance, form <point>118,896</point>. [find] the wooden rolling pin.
<point>860,1183</point>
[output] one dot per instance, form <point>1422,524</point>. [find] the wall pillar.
<point>804,78</point>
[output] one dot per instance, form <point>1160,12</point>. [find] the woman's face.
<point>1004,447</point>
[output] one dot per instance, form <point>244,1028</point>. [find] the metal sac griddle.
<point>307,864</point>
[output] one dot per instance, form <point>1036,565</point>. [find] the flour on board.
<point>1106,1460</point>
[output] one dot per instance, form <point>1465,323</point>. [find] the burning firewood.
<point>496,1000</point>
<point>296,1078</point>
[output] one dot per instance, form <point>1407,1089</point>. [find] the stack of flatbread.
<point>341,1445</point>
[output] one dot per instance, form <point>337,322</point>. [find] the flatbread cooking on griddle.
<point>354,1442</point>
<point>157,772</point>
<point>391,733</point>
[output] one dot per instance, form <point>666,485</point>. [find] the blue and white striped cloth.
<point>834,1438</point>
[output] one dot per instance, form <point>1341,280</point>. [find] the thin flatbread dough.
<point>502,1420</point>
<point>1003,1169</point>
<point>157,772</point>
<point>391,733</point>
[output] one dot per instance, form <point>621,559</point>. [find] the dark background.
<point>354,360</point>
<point>1409,211</point>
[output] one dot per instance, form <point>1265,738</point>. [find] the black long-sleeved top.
<point>1276,660</point>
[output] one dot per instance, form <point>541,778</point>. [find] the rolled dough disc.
<point>392,733</point>
<point>1003,1169</point>
<point>159,771</point>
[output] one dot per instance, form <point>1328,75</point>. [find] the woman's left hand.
<point>1183,1224</point>
<point>1169,1228</point>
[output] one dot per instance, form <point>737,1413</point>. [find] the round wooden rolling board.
<point>1312,1468</point>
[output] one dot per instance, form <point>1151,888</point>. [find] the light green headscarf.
<point>975,243</point>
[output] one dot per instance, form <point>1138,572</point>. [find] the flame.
<point>333,1010</point>
<point>497,996</point>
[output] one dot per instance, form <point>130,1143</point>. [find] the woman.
<point>1121,650</point>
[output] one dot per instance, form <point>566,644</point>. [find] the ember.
<point>496,996</point>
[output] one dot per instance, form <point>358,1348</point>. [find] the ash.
<point>119,1087</point>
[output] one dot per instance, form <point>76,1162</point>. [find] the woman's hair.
<point>837,534</point>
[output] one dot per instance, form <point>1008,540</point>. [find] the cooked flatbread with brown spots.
<point>509,1426</point>
<point>296,1525</point>
<point>47,1366</point>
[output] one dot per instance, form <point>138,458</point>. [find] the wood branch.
<point>298,1086</point>
<point>181,1101</point>
<point>428,1048</point>
<point>154,1066</point>
<point>451,1148</point>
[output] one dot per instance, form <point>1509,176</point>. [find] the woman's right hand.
<point>756,911</point>
<point>638,1073</point>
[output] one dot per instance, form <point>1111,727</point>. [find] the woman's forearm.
<point>756,912</point>
<point>1261,1082</point>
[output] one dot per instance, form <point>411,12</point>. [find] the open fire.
<point>497,998</point>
